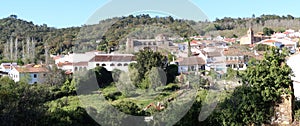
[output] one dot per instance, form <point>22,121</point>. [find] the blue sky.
<point>67,13</point>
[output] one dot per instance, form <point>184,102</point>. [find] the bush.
<point>112,96</point>
<point>171,87</point>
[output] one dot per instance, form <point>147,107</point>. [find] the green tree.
<point>261,47</point>
<point>55,77</point>
<point>22,104</point>
<point>171,73</point>
<point>128,107</point>
<point>156,77</point>
<point>171,57</point>
<point>263,85</point>
<point>230,74</point>
<point>146,59</point>
<point>268,31</point>
<point>69,87</point>
<point>103,76</point>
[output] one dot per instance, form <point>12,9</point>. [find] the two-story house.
<point>236,59</point>
<point>188,64</point>
<point>215,59</point>
<point>32,74</point>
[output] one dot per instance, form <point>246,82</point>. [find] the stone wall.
<point>284,114</point>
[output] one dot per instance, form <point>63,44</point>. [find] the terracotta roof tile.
<point>109,58</point>
<point>186,61</point>
<point>31,69</point>
<point>81,64</point>
<point>270,40</point>
<point>214,54</point>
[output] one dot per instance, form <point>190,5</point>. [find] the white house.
<point>112,61</point>
<point>215,59</point>
<point>5,68</point>
<point>236,59</point>
<point>73,67</point>
<point>66,66</point>
<point>187,64</point>
<point>34,74</point>
<point>75,57</point>
<point>278,42</point>
<point>293,62</point>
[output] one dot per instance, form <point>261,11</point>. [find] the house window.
<point>192,68</point>
<point>112,64</point>
<point>34,76</point>
<point>119,64</point>
<point>240,58</point>
<point>97,64</point>
<point>103,65</point>
<point>125,64</point>
<point>234,66</point>
<point>241,65</point>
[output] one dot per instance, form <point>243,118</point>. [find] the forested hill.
<point>110,32</point>
<point>238,26</point>
<point>14,31</point>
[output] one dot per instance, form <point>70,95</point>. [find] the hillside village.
<point>45,74</point>
<point>206,54</point>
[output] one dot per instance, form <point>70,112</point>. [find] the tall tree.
<point>6,50</point>
<point>146,59</point>
<point>46,47</point>
<point>16,49</point>
<point>23,51</point>
<point>11,48</point>
<point>28,48</point>
<point>32,50</point>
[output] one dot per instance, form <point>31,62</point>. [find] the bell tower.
<point>250,35</point>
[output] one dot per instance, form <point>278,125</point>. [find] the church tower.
<point>250,35</point>
<point>129,45</point>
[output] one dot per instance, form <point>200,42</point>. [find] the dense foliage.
<point>263,85</point>
<point>252,103</point>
